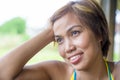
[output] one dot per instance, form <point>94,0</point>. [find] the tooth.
<point>74,57</point>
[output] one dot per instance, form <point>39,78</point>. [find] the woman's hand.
<point>49,28</point>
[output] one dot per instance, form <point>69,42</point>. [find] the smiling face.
<point>76,44</point>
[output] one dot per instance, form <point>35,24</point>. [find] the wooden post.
<point>109,8</point>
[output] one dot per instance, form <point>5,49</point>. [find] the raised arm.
<point>12,63</point>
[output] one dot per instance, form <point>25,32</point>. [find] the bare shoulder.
<point>48,70</point>
<point>117,66</point>
<point>58,70</point>
<point>116,70</point>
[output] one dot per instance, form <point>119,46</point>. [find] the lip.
<point>76,58</point>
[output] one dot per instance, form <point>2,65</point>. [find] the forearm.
<point>13,62</point>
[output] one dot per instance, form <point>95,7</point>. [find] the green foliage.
<point>118,4</point>
<point>15,26</point>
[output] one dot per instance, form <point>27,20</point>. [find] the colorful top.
<point>74,75</point>
<point>109,72</point>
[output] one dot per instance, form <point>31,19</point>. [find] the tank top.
<point>74,75</point>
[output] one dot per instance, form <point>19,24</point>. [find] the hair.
<point>89,14</point>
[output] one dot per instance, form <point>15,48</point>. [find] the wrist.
<point>49,34</point>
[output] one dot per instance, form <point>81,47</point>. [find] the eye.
<point>59,40</point>
<point>75,33</point>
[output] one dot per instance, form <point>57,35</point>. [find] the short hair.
<point>90,14</point>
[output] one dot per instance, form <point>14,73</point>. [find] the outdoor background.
<point>21,20</point>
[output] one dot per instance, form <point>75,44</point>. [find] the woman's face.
<point>76,43</point>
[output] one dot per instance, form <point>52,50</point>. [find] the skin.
<point>75,40</point>
<point>77,45</point>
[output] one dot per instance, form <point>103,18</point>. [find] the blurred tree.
<point>118,4</point>
<point>14,26</point>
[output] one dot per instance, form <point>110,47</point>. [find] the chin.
<point>80,67</point>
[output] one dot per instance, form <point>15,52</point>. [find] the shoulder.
<point>49,65</point>
<point>54,70</point>
<point>117,66</point>
<point>116,69</point>
<point>58,70</point>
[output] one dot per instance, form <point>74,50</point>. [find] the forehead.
<point>66,22</point>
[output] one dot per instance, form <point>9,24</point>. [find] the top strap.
<point>73,77</point>
<point>108,70</point>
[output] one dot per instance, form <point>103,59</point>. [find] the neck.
<point>97,71</point>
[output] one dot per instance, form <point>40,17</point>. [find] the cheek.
<point>83,41</point>
<point>61,51</point>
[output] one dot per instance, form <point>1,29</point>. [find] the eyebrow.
<point>73,27</point>
<point>70,29</point>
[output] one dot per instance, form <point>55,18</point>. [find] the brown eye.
<point>59,40</point>
<point>75,33</point>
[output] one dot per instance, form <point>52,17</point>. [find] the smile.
<point>75,59</point>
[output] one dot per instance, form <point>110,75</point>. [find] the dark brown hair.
<point>89,14</point>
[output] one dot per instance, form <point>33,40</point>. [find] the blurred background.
<point>20,20</point>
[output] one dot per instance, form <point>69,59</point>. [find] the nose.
<point>69,46</point>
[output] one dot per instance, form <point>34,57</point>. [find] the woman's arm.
<point>12,63</point>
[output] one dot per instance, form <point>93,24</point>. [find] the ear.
<point>100,39</point>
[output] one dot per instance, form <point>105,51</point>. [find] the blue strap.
<point>75,75</point>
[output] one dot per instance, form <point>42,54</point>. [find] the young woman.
<point>81,31</point>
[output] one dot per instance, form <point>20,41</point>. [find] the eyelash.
<point>59,40</point>
<point>75,33</point>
